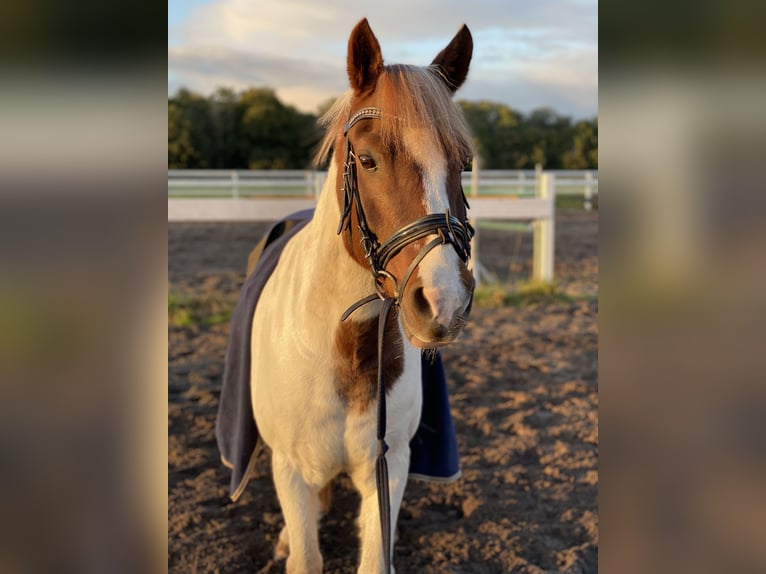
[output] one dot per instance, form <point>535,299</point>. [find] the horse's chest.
<point>356,360</point>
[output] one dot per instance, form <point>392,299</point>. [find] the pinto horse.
<point>390,230</point>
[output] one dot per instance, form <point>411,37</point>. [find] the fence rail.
<point>520,195</point>
<point>308,183</point>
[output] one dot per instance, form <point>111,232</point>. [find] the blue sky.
<point>527,54</point>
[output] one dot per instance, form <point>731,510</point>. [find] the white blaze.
<point>440,269</point>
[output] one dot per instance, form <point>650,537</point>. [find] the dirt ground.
<point>523,383</point>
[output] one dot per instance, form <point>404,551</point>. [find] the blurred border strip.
<point>682,251</point>
<point>78,133</point>
<point>83,235</point>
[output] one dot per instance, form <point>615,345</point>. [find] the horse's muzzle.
<point>434,316</point>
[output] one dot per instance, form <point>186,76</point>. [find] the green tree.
<point>254,129</point>
<point>181,152</point>
<point>192,115</point>
<point>543,136</point>
<point>226,112</point>
<point>583,153</point>
<point>275,136</point>
<point>507,139</point>
<point>482,118</point>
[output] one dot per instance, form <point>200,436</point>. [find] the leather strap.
<point>381,464</point>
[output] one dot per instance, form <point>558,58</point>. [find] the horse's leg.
<point>369,518</point>
<point>282,550</point>
<point>300,508</point>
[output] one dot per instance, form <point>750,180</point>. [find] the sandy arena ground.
<point>523,384</point>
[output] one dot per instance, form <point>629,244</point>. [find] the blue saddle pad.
<point>433,449</point>
<point>434,454</point>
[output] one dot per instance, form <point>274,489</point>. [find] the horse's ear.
<point>365,62</point>
<point>454,60</point>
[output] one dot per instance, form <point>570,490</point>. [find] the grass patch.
<point>575,201</point>
<point>185,310</point>
<point>180,309</point>
<point>524,294</point>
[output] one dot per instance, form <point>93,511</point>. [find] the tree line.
<point>253,129</point>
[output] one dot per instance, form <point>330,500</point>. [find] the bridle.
<point>448,229</point>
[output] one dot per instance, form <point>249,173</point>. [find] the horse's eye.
<point>367,162</point>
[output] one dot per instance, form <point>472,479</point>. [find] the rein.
<point>448,229</point>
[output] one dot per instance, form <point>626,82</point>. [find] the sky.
<point>527,54</point>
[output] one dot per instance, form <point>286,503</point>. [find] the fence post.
<point>235,184</point>
<point>544,230</point>
<point>538,175</point>
<point>588,191</point>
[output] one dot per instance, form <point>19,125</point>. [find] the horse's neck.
<point>331,273</point>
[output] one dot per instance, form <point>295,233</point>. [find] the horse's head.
<point>401,144</point>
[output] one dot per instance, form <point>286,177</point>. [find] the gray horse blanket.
<point>434,454</point>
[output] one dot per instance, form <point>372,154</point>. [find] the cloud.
<point>527,54</point>
<point>295,82</point>
<point>294,23</point>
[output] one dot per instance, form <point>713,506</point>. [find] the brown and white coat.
<point>314,376</point>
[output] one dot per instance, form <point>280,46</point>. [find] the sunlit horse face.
<point>409,164</point>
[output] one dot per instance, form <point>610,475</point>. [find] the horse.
<point>390,229</point>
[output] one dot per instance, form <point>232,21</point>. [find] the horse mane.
<point>409,97</point>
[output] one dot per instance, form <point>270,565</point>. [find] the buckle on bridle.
<point>381,275</point>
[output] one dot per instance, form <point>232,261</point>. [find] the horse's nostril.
<point>419,301</point>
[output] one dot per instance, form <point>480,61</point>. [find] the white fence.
<point>268,195</point>
<point>215,183</point>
